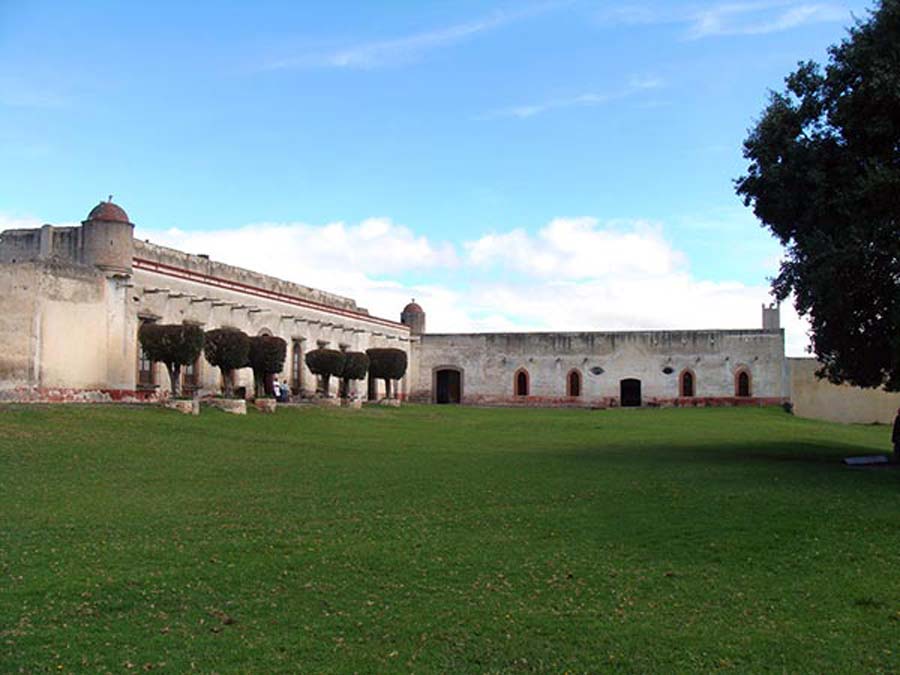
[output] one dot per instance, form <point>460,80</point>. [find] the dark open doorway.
<point>448,386</point>
<point>630,393</point>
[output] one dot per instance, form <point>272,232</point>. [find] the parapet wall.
<point>146,252</point>
<point>820,399</point>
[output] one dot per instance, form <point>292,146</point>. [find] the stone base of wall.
<point>391,402</point>
<point>613,402</point>
<point>353,403</point>
<point>328,402</point>
<point>184,406</point>
<point>235,406</point>
<point>61,395</point>
<point>266,405</point>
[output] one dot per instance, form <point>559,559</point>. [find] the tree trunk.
<point>387,387</point>
<point>228,382</point>
<point>174,370</point>
<point>326,385</point>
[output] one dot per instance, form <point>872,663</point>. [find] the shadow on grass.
<point>816,453</point>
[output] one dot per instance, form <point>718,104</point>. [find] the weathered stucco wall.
<point>68,329</point>
<point>489,363</point>
<point>18,333</point>
<point>161,295</point>
<point>819,399</point>
<point>53,326</point>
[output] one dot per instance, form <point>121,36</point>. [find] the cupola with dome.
<point>413,316</point>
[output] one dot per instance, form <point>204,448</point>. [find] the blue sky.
<point>456,134</point>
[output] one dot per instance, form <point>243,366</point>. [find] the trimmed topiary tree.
<point>387,364</point>
<point>356,367</point>
<point>174,345</point>
<point>227,349</point>
<point>266,357</point>
<point>325,363</point>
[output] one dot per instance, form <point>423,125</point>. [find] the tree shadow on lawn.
<point>814,453</point>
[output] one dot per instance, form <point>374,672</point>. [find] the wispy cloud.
<point>751,17</point>
<point>396,51</point>
<point>526,110</point>
<point>758,18</point>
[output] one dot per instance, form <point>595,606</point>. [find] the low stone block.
<point>184,406</point>
<point>353,403</point>
<point>235,406</point>
<point>266,405</point>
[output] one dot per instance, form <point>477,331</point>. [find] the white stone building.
<point>72,300</point>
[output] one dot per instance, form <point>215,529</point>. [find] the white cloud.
<point>579,248</point>
<point>18,222</point>
<point>334,256</point>
<point>752,17</point>
<point>522,111</point>
<point>400,50</point>
<point>572,274</point>
<point>758,18</point>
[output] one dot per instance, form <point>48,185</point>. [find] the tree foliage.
<point>266,356</point>
<point>326,363</point>
<point>227,349</point>
<point>356,367</point>
<point>387,364</point>
<point>824,177</point>
<point>174,345</point>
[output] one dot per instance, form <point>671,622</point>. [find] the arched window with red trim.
<point>686,384</point>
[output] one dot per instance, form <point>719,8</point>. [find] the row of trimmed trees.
<point>382,364</point>
<point>230,349</point>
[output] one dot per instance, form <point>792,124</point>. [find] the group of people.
<point>281,391</point>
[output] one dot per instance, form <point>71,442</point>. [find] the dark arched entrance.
<point>447,386</point>
<point>630,393</point>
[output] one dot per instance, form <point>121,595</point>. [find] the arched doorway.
<point>520,382</point>
<point>447,385</point>
<point>742,384</point>
<point>573,384</point>
<point>630,393</point>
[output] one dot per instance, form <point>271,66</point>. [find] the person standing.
<point>895,437</point>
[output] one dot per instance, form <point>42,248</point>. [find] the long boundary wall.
<point>820,399</point>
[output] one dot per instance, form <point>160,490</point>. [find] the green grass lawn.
<point>442,538</point>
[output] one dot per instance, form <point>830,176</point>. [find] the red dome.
<point>413,308</point>
<point>109,212</point>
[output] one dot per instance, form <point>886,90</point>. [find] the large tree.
<point>266,357</point>
<point>227,349</point>
<point>325,363</point>
<point>174,345</point>
<point>387,364</point>
<point>355,367</point>
<point>824,177</point>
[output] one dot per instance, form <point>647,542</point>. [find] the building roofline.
<point>240,287</point>
<point>661,331</point>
